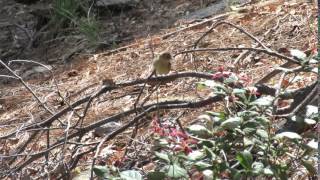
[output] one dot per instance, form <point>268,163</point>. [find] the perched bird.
<point>162,64</point>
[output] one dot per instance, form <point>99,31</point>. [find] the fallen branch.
<point>235,26</point>
<point>177,104</point>
<point>269,52</point>
<point>105,89</point>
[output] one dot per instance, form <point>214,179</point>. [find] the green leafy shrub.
<point>237,142</point>
<point>78,14</point>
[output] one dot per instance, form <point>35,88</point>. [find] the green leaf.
<point>248,114</point>
<point>298,54</point>
<point>310,167</point>
<point>162,142</point>
<point>249,130</point>
<point>175,171</point>
<point>131,175</point>
<point>231,79</point>
<point>262,120</point>
<point>217,117</point>
<point>247,141</point>
<point>159,143</point>
<point>207,143</point>
<point>163,156</point>
<point>196,155</point>
<point>310,121</point>
<point>156,175</point>
<point>211,83</point>
<point>219,93</point>
<point>107,151</point>
<point>253,123</point>
<point>263,134</point>
<point>81,175</point>
<point>231,123</point>
<point>289,135</point>
<point>235,174</point>
<point>101,171</point>
<point>214,84</point>
<point>267,171</point>
<point>280,170</point>
<point>241,103</point>
<point>217,121</point>
<point>240,131</point>
<point>263,101</point>
<point>238,91</point>
<point>245,159</point>
<point>313,61</point>
<point>311,110</point>
<point>221,115</point>
<point>260,153</point>
<point>199,131</point>
<point>262,147</point>
<point>210,153</point>
<point>201,86</point>
<point>207,174</point>
<point>313,144</point>
<point>257,167</point>
<point>204,118</point>
<point>200,165</point>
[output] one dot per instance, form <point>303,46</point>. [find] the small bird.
<point>162,64</point>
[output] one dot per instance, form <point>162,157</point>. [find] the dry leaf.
<point>285,83</point>
<point>73,73</point>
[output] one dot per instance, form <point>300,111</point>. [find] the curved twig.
<point>149,108</point>
<point>235,26</point>
<point>105,89</point>
<point>26,86</point>
<point>269,52</point>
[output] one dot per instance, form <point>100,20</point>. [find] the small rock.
<point>37,70</point>
<point>106,129</point>
<point>218,7</point>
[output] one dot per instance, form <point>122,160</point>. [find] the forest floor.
<point>278,24</point>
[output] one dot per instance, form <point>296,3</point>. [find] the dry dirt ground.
<point>290,24</point>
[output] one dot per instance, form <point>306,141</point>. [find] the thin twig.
<point>216,18</point>
<point>278,90</point>
<point>39,101</point>
<point>178,121</point>
<point>243,54</point>
<point>302,104</point>
<point>105,89</point>
<point>269,52</point>
<point>149,108</point>
<point>235,26</point>
<point>26,86</point>
<point>52,76</point>
<point>273,73</point>
<point>7,76</point>
<point>141,91</point>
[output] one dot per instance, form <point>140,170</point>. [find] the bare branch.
<point>235,26</point>
<point>269,52</point>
